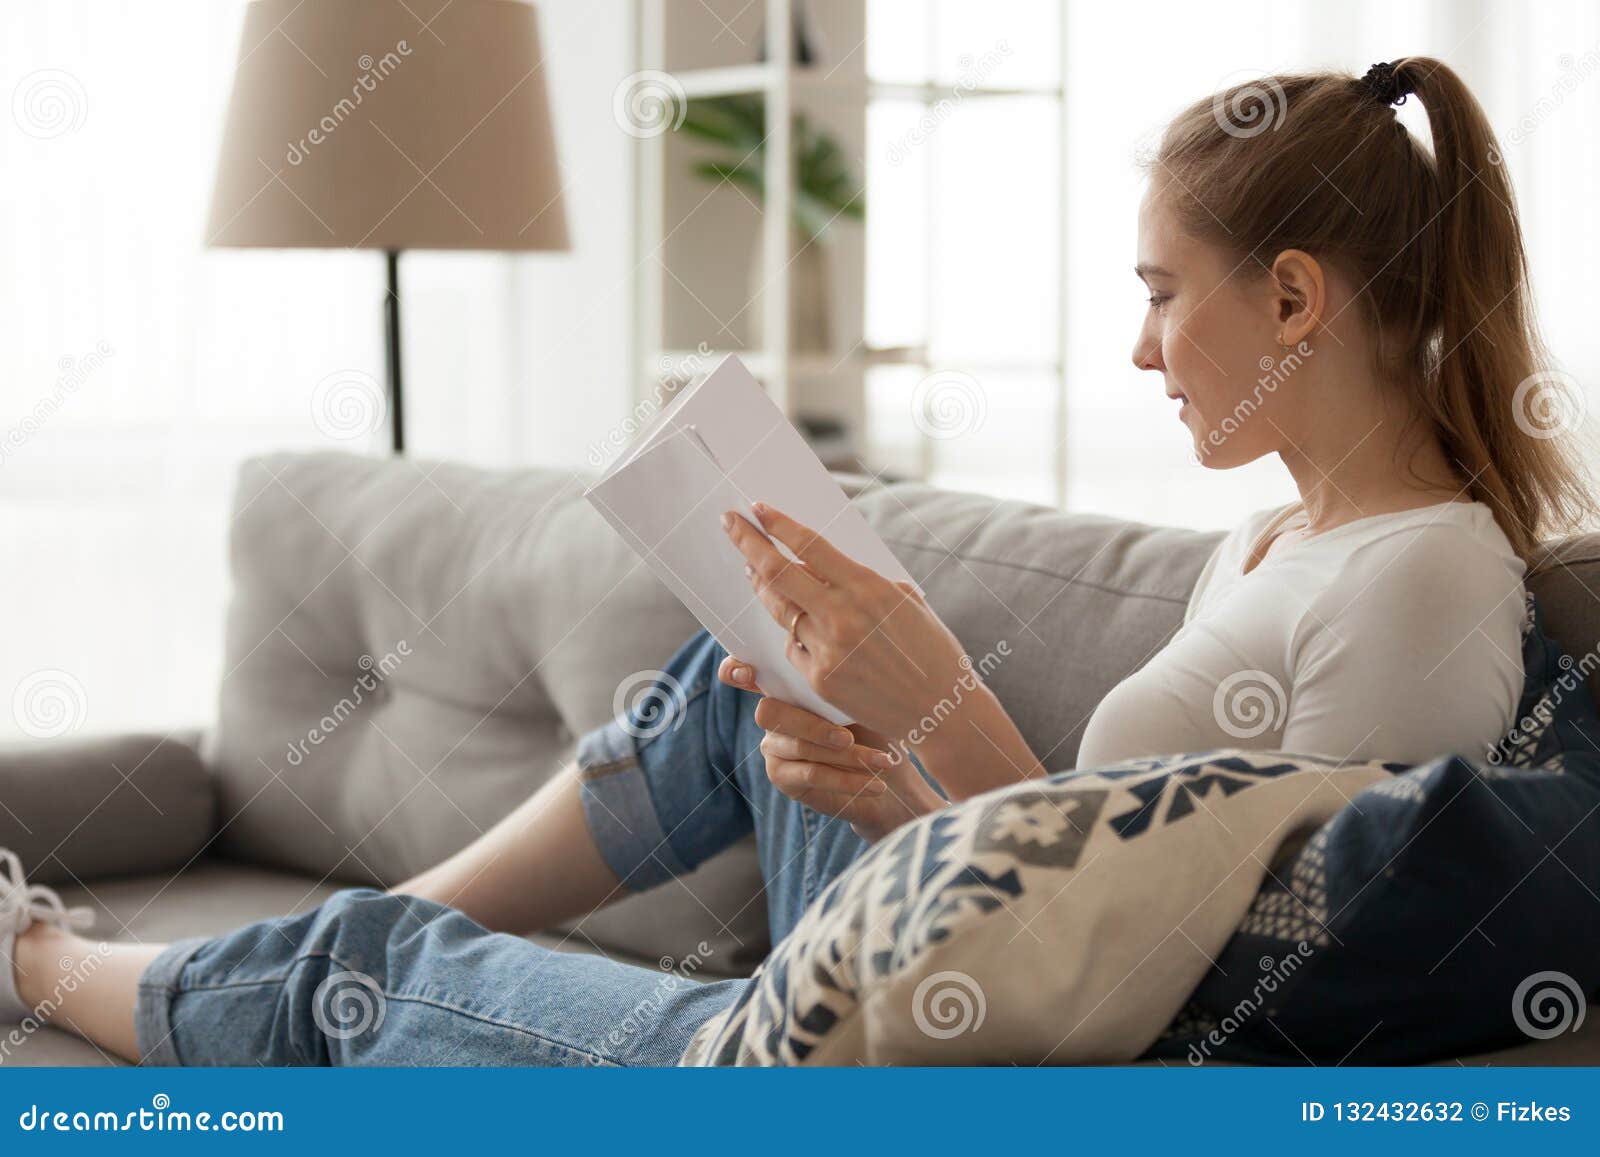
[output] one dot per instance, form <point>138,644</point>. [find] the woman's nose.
<point>1147,354</point>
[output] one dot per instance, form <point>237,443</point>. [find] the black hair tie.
<point>1386,85</point>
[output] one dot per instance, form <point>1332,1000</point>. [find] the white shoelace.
<point>23,904</point>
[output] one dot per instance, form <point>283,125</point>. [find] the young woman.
<point>1384,288</point>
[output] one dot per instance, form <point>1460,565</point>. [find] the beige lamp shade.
<point>389,124</point>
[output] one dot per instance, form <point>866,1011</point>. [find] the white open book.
<point>720,445</point>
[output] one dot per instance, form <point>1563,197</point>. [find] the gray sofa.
<point>413,647</point>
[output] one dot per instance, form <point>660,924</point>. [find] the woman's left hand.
<point>871,647</point>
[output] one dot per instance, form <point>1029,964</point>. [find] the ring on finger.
<point>794,627</point>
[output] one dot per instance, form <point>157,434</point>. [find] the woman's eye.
<point>1159,300</point>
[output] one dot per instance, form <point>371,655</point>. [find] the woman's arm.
<point>977,749</point>
<point>875,649</point>
<point>1386,667</point>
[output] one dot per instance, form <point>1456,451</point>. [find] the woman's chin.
<point>1215,451</point>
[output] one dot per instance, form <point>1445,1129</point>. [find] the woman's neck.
<point>1368,461</point>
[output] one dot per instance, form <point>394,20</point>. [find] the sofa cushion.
<point>87,808</point>
<point>412,649</point>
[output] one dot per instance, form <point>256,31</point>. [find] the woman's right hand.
<point>852,773</point>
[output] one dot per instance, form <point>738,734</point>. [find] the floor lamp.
<point>389,125</point>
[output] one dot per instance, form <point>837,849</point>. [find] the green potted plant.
<point>825,191</point>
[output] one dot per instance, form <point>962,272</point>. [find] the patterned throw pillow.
<point>1057,921</point>
<point>1447,911</point>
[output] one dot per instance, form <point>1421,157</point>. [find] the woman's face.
<point>1210,331</point>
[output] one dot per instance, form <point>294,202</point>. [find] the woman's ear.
<point>1301,295</point>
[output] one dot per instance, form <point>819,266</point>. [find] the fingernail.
<point>749,571</point>
<point>762,509</point>
<point>840,738</point>
<point>741,674</point>
<point>874,787</point>
<point>881,759</point>
<point>727,521</point>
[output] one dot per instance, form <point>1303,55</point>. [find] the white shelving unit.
<point>710,49</point>
<point>775,81</point>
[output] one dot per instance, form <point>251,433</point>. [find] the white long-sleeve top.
<point>1396,636</point>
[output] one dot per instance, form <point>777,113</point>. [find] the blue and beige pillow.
<point>1061,920</point>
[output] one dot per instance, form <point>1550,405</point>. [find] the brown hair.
<point>1320,163</point>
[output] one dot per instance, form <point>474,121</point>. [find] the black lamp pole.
<point>391,326</point>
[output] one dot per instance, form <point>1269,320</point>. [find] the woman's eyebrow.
<point>1146,272</point>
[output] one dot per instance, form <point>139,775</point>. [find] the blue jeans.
<point>371,978</point>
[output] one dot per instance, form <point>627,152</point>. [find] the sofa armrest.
<point>83,809</point>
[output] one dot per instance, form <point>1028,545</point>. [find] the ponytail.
<point>1495,403</point>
